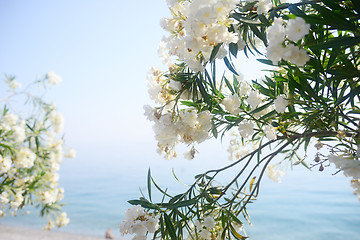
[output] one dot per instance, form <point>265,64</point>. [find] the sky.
<point>102,50</point>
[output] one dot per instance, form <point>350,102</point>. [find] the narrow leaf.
<point>214,52</point>
<point>230,66</point>
<point>149,184</point>
<point>169,226</point>
<point>242,19</point>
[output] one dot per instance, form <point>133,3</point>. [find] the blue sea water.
<point>306,205</point>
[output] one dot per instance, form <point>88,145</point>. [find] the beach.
<point>23,233</point>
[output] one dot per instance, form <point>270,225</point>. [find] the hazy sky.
<point>101,49</point>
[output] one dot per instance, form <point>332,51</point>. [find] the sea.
<point>309,205</point>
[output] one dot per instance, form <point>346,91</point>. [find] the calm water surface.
<point>306,205</point>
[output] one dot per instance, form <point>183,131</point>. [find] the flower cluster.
<point>237,148</point>
<point>137,221</point>
<point>30,156</point>
<point>209,227</point>
<point>274,174</point>
<point>160,88</point>
<point>196,27</point>
<point>295,30</point>
<point>189,126</point>
<point>350,168</point>
<point>262,6</point>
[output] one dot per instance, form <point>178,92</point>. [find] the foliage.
<point>311,51</point>
<point>31,152</point>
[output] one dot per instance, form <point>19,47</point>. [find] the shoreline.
<point>26,233</point>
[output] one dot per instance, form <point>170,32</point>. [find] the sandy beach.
<point>22,233</point>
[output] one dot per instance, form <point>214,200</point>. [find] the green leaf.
<point>202,90</point>
<point>184,203</point>
<point>233,48</point>
<point>350,95</point>
<point>259,34</point>
<point>246,20</point>
<point>187,103</point>
<point>333,56</point>
<point>174,199</point>
<point>331,4</point>
<point>334,19</point>
<point>144,203</point>
<point>265,91</point>
<point>259,109</point>
<point>235,218</point>
<point>214,130</point>
<point>264,20</point>
<point>230,66</point>
<point>214,52</point>
<point>149,184</point>
<point>162,191</point>
<point>169,226</point>
<point>338,42</point>
<point>295,10</point>
<point>231,118</point>
<point>265,61</point>
<point>228,84</point>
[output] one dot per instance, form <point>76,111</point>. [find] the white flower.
<point>138,222</point>
<point>296,29</point>
<point>57,120</point>
<point>4,198</point>
<point>209,222</point>
<point>49,197</point>
<point>10,118</point>
<point>280,103</point>
<point>244,88</point>
<point>232,104</point>
<point>24,158</point>
<point>15,84</point>
<point>49,226</point>
<point>53,78</point>
<point>270,132</point>
<point>152,224</point>
<point>139,237</point>
<point>246,129</point>
<point>18,199</point>
<point>295,55</point>
<point>175,85</point>
<point>205,234</point>
<point>71,153</point>
<point>5,164</point>
<point>19,133</point>
<point>62,220</point>
<point>263,6</point>
<point>190,154</point>
<point>349,166</point>
<point>254,98</point>
<point>276,32</point>
<point>274,174</point>
<point>275,53</point>
<point>206,14</point>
